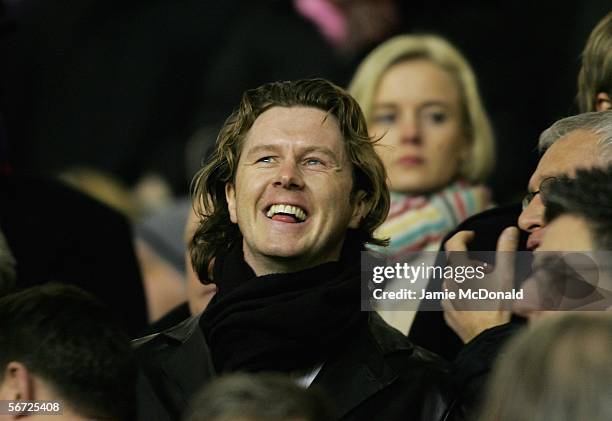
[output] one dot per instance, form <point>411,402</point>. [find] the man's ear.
<point>360,208</point>
<point>230,196</point>
<point>602,102</point>
<point>17,383</point>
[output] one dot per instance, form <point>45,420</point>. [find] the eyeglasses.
<point>543,187</point>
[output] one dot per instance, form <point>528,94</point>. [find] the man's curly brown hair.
<point>215,232</point>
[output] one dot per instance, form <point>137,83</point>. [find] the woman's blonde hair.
<point>596,71</point>
<point>401,48</point>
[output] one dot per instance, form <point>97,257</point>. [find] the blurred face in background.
<point>417,109</point>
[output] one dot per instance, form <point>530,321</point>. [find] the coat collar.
<point>349,377</point>
<point>189,366</point>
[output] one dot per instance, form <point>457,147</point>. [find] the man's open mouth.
<point>286,213</point>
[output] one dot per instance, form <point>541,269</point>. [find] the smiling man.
<point>293,197</point>
<point>288,200</point>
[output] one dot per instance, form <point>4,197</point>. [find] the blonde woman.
<point>419,95</point>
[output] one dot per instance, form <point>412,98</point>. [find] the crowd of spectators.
<point>188,191</point>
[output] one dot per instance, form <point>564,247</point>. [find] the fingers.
<point>447,305</point>
<point>507,244</point>
<point>450,286</point>
<point>508,239</point>
<point>459,241</point>
<point>456,248</point>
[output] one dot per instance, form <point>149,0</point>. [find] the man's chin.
<point>287,252</point>
<point>286,257</point>
<point>289,257</point>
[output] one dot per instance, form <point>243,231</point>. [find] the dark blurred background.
<point>134,91</point>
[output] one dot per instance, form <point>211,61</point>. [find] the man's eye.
<point>313,161</point>
<point>266,159</point>
<point>386,118</point>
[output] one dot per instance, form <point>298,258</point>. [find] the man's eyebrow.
<point>303,151</point>
<point>321,149</point>
<point>262,148</point>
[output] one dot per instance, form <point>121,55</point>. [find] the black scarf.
<point>282,322</point>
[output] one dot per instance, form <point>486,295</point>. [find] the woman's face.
<point>417,109</point>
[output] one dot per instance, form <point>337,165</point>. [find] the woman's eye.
<point>388,118</point>
<point>436,117</point>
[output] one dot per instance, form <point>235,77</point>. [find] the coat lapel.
<point>189,367</point>
<point>355,374</point>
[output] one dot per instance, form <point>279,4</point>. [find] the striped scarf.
<point>418,223</point>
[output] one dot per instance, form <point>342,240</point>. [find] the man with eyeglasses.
<point>578,142</point>
<point>572,270</point>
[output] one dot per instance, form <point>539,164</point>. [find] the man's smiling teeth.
<point>287,209</point>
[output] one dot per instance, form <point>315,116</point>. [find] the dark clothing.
<point>59,234</point>
<point>107,85</point>
<point>429,329</point>
<point>293,323</point>
<point>379,374</point>
<point>474,363</point>
<point>280,322</point>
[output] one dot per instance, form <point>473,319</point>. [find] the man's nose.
<point>289,176</point>
<point>532,217</point>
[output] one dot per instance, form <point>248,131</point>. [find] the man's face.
<point>292,192</point>
<point>576,150</point>
<point>568,237</point>
<point>567,233</point>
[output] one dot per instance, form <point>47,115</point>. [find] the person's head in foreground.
<point>420,95</point>
<point>595,78</point>
<point>559,369</point>
<point>572,265</point>
<point>57,343</point>
<point>261,397</point>
<point>293,171</point>
<point>582,141</point>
